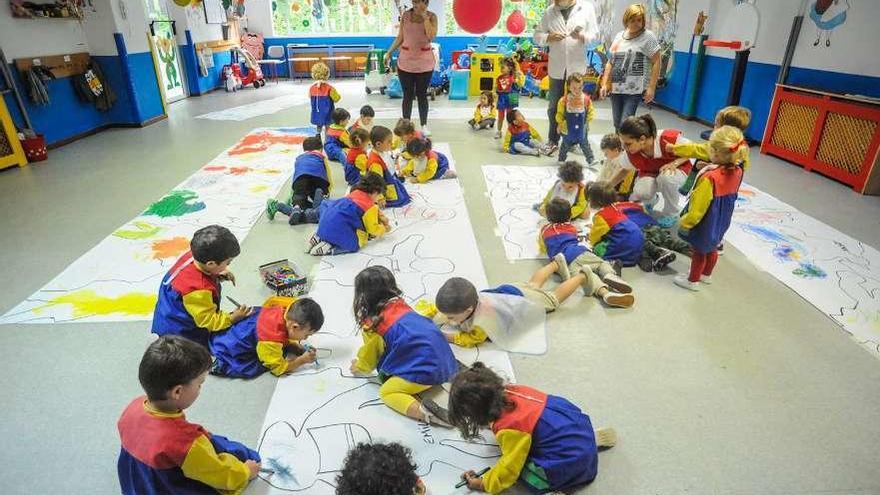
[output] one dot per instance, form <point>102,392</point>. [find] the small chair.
<point>273,62</point>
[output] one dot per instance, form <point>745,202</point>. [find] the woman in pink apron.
<point>415,64</point>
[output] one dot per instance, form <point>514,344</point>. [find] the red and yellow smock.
<point>625,238</point>
<point>545,440</point>
<point>348,223</point>
<point>189,303</point>
<point>522,133</point>
<point>395,192</point>
<point>577,200</point>
<point>337,143</point>
<point>164,453</point>
<point>706,217</point>
<point>253,346</point>
<point>700,151</point>
<point>313,163</point>
<point>355,165</point>
<point>556,238</point>
<point>636,213</point>
<point>323,98</point>
<point>432,166</point>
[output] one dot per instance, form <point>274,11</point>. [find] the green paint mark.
<point>176,204</point>
<point>143,230</point>
<point>809,270</point>
<point>87,303</point>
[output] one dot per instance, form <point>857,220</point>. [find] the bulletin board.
<point>214,12</point>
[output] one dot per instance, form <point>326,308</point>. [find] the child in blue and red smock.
<point>347,223</point>
<point>546,441</point>
<point>408,350</point>
<point>404,132</point>
<point>259,342</point>
<point>559,241</point>
<point>424,164</point>
<point>323,97</point>
<point>507,86</point>
<point>706,217</point>
<point>569,187</point>
<point>380,162</point>
<point>365,121</point>
<point>311,184</point>
<point>613,235</point>
<point>356,159</point>
<point>189,296</point>
<point>521,137</point>
<point>337,142</point>
<point>161,451</point>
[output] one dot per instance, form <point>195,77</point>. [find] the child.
<point>545,440</point>
<point>337,143</point>
<point>485,113</point>
<point>189,297</point>
<point>377,162</point>
<point>424,164</point>
<point>559,241</point>
<point>356,160</point>
<point>258,343</point>
<point>657,250</point>
<point>323,96</point>
<point>707,214</point>
<point>311,184</point>
<point>521,137</point>
<point>379,469</point>
<point>346,224</point>
<point>161,451</point>
<point>365,121</point>
<point>492,313</point>
<point>409,352</point>
<point>612,149</point>
<point>573,115</point>
<point>507,87</point>
<point>613,235</point>
<point>404,132</point>
<point>738,117</point>
<point>569,187</point>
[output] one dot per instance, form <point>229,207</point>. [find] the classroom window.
<point>326,17</point>
<point>532,10</point>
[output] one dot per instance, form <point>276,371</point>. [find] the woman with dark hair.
<point>415,64</point>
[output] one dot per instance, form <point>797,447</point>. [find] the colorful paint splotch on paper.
<point>118,279</point>
<point>837,274</point>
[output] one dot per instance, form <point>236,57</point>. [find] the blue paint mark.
<point>283,471</point>
<point>809,270</point>
<point>768,234</point>
<point>303,131</point>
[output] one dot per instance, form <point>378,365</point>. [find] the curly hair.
<point>571,171</point>
<point>377,469</point>
<point>559,210</point>
<point>374,288</point>
<point>611,142</point>
<point>477,398</point>
<point>320,72</point>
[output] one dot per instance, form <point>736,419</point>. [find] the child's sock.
<point>605,437</point>
<point>271,208</point>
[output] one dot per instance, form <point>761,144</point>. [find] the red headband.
<point>737,145</point>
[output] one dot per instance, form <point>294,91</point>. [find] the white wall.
<point>199,29</point>
<point>25,38</point>
<point>99,26</point>
<point>854,44</point>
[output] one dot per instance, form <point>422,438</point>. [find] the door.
<point>165,53</point>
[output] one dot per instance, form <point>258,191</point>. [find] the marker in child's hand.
<point>268,471</point>
<point>479,474</point>
<point>233,301</point>
<point>308,348</point>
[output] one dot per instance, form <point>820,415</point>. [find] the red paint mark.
<point>746,192</point>
<point>214,168</point>
<point>261,141</point>
<point>239,170</point>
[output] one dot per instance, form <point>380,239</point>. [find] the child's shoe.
<point>682,281</point>
<point>296,216</point>
<point>666,257</point>
<point>435,414</point>
<point>552,148</point>
<point>271,208</point>
<point>618,300</point>
<point>425,131</point>
<point>706,279</point>
<point>667,222</point>
<point>721,249</point>
<point>617,266</point>
<point>617,284</point>
<point>562,266</point>
<point>498,134</point>
<point>605,437</point>
<point>314,240</point>
<point>646,263</point>
<point>321,249</point>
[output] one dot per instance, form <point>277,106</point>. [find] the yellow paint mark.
<point>259,188</point>
<point>270,171</point>
<point>87,303</point>
<point>169,248</point>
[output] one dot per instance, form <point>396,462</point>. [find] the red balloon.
<point>476,16</point>
<point>516,22</point>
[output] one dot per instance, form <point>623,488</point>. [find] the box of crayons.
<point>285,278</point>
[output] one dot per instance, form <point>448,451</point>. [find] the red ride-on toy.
<point>255,73</point>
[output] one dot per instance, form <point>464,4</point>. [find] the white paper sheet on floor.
<point>466,113</point>
<point>317,414</point>
<point>118,279</point>
<point>256,109</point>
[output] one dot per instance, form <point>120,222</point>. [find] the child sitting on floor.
<point>379,469</point>
<point>404,132</point>
<point>356,160</point>
<point>346,224</point>
<point>189,296</point>
<point>545,440</point>
<point>311,184</point>
<point>424,164</point>
<point>657,250</point>
<point>323,97</point>
<point>259,342</point>
<point>613,235</point>
<point>573,115</point>
<point>337,142</point>
<point>365,121</point>
<point>379,161</point>
<point>707,215</point>
<point>406,348</point>
<point>485,113</point>
<point>569,187</point>
<point>559,241</point>
<point>521,137</point>
<point>161,451</point>
<point>612,148</point>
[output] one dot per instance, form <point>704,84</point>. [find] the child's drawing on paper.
<point>828,15</point>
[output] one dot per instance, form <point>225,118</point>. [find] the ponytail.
<point>728,147</point>
<point>636,127</point>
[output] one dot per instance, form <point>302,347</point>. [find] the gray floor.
<point>743,388</point>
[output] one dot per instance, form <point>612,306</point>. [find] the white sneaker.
<point>425,131</point>
<point>682,281</point>
<point>562,266</point>
<point>706,279</point>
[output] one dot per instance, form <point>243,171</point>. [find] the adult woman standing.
<point>625,77</point>
<point>415,64</point>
